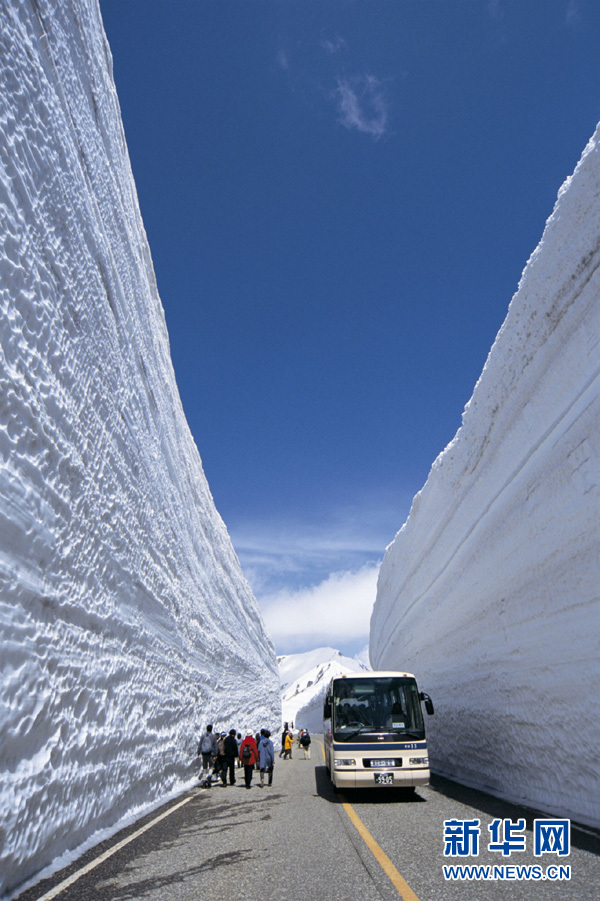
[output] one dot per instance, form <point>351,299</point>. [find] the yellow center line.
<point>397,880</point>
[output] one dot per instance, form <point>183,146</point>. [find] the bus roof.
<point>362,674</point>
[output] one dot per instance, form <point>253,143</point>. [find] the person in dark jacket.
<point>231,753</point>
<point>220,761</point>
<point>283,735</point>
<point>305,743</point>
<point>249,757</point>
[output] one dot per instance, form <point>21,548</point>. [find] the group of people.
<point>222,753</point>
<point>287,742</point>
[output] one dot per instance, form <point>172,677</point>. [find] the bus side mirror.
<point>327,709</point>
<point>428,703</point>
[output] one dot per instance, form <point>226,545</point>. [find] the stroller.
<point>207,777</point>
<point>210,775</point>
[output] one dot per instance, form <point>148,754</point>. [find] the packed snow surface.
<point>304,679</point>
<point>490,591</point>
<point>126,621</point>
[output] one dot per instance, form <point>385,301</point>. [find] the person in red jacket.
<point>249,757</point>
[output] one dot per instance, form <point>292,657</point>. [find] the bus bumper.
<point>365,778</point>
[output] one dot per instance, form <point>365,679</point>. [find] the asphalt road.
<point>299,839</point>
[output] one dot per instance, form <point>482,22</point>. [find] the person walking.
<point>207,747</point>
<point>230,753</point>
<point>238,739</point>
<point>305,740</point>
<point>249,757</point>
<point>220,761</point>
<point>266,755</point>
<point>288,744</point>
<point>258,739</point>
<point>283,735</point>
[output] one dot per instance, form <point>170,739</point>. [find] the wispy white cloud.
<point>315,577</point>
<point>334,46</point>
<point>363,104</point>
<point>573,16</point>
<point>294,559</point>
<point>495,8</point>
<point>362,100</point>
<point>333,613</point>
<point>292,554</point>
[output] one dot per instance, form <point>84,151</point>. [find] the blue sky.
<point>340,198</point>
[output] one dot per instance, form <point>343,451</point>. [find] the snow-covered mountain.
<point>126,623</point>
<point>490,591</point>
<point>304,679</point>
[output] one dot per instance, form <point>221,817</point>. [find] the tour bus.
<point>373,729</point>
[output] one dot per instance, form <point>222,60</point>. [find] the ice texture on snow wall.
<point>126,622</point>
<point>490,591</point>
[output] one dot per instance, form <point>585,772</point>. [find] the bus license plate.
<point>384,778</point>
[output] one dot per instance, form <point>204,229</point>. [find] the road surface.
<point>299,839</point>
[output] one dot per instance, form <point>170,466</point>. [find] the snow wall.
<point>126,623</point>
<point>490,591</point>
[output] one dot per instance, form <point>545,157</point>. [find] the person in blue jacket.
<point>266,757</point>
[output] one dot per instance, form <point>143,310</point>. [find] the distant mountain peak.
<point>304,679</point>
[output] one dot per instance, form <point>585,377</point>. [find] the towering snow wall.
<point>490,591</point>
<point>126,623</point>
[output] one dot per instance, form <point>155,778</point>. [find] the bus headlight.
<point>419,761</point>
<point>343,761</point>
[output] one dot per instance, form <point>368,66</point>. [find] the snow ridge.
<point>490,591</point>
<point>304,680</point>
<point>126,621</point>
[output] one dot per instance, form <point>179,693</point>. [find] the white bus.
<point>373,729</point>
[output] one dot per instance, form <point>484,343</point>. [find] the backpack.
<point>246,752</point>
<point>206,743</point>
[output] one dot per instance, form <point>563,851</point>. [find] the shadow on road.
<point>196,823</point>
<point>136,890</point>
<point>326,790</point>
<point>588,840</point>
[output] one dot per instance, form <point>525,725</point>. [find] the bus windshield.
<point>382,704</point>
